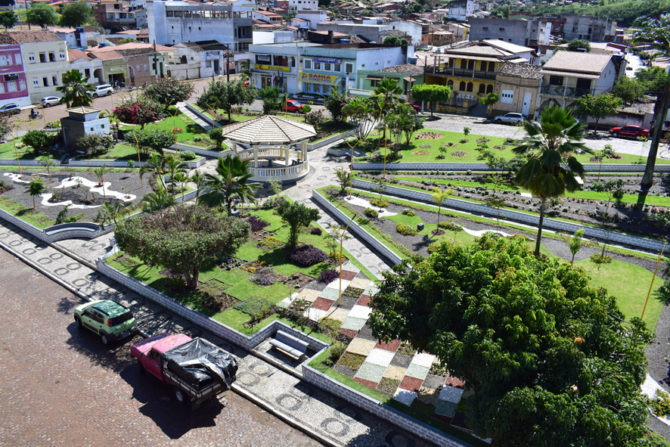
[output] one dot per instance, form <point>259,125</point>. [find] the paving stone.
<point>389,346</point>
<point>451,394</point>
<point>417,371</point>
<point>433,381</point>
<point>401,360</point>
<point>411,383</point>
<point>360,346</point>
<point>348,275</point>
<point>366,333</point>
<point>454,381</point>
<point>309,295</point>
<point>372,289</point>
<point>322,304</point>
<point>372,372</point>
<point>335,284</point>
<point>380,357</point>
<point>368,383</point>
<point>360,283</point>
<point>338,314</point>
<point>364,300</point>
<point>428,396</point>
<point>423,360</point>
<point>349,266</point>
<point>316,314</point>
<point>404,396</point>
<point>354,323</point>
<point>330,293</point>
<point>348,302</point>
<point>345,370</point>
<point>360,312</point>
<point>445,408</point>
<point>395,372</point>
<point>351,333</point>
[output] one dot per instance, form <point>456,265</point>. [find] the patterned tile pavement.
<point>388,367</point>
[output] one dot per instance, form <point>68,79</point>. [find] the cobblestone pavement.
<point>61,386</point>
<point>314,413</point>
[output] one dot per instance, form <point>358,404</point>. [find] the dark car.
<point>629,131</point>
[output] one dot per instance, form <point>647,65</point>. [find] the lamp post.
<point>658,261</point>
<point>341,235</point>
<point>139,161</point>
<point>18,162</point>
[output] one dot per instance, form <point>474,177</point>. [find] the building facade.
<point>530,33</point>
<point>192,60</point>
<point>595,29</point>
<point>117,16</point>
<point>88,65</point>
<point>519,88</point>
<point>13,85</point>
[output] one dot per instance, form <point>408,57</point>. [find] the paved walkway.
<point>199,121</point>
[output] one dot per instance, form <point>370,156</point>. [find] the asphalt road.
<point>62,387</point>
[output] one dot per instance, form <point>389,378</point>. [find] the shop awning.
<point>373,78</point>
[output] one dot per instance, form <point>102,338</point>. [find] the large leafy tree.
<point>140,111</point>
<point>76,14</point>
<point>395,40</point>
<point>597,107</point>
<point>335,104</point>
<point>39,140</point>
<point>231,183</point>
<point>551,167</point>
<point>655,32</point>
<point>360,113</point>
<point>297,216</point>
<point>151,139</point>
<point>182,239</point>
<point>550,360</point>
<point>75,89</point>
<point>8,19</point>
<point>629,89</point>
<point>41,14</point>
<point>226,95</point>
<point>168,91</point>
<point>431,93</point>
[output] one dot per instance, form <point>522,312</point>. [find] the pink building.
<point>13,86</point>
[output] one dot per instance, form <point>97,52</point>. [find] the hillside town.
<point>335,222</point>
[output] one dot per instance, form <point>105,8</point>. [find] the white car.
<point>49,101</point>
<point>102,90</point>
<point>509,118</point>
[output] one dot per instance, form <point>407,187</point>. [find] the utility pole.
<point>227,63</point>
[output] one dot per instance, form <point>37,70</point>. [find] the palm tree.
<point>155,165</point>
<point>111,211</point>
<point>199,180</point>
<point>439,196</point>
<point>173,168</point>
<point>550,168</point>
<point>388,92</point>
<point>155,201</point>
<point>231,183</point>
<point>100,174</point>
<point>35,188</point>
<point>75,89</point>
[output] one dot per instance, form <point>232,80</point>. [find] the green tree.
<point>404,121</point>
<point>110,212</point>
<point>431,93</point>
<point>395,40</point>
<point>75,89</point>
<point>501,12</point>
<point>272,101</point>
<point>344,178</point>
<point>629,90</point>
<point>551,167</point>
<point>76,14</point>
<point>35,188</point>
<point>575,244</point>
<point>653,79</point>
<point>579,45</point>
<point>100,172</point>
<point>152,139</point>
<point>597,107</point>
<point>174,169</point>
<point>182,239</point>
<point>655,32</point>
<point>168,91</point>
<point>41,14</point>
<point>156,201</point>
<point>360,114</point>
<point>156,165</point>
<point>296,215</point>
<point>226,95</point>
<point>46,162</point>
<point>95,144</point>
<point>489,100</point>
<point>335,104</point>
<point>39,140</point>
<point>439,196</point>
<point>547,359</point>
<point>199,179</point>
<point>216,136</point>
<point>231,183</point>
<point>8,19</point>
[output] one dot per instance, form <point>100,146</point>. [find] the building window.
<point>45,82</point>
<point>36,82</point>
<point>61,55</point>
<point>482,89</point>
<point>337,68</point>
<point>489,89</point>
<point>11,86</point>
<point>492,66</point>
<point>43,58</point>
<point>470,86</point>
<point>17,58</point>
<point>450,84</point>
<point>317,65</point>
<point>2,88</point>
<point>349,68</point>
<point>31,58</point>
<point>507,96</point>
<point>326,67</point>
<point>483,66</point>
<point>461,86</point>
<point>52,57</point>
<point>555,80</point>
<point>54,80</point>
<point>307,64</point>
<point>464,64</point>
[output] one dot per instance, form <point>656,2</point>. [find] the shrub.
<point>255,307</point>
<point>139,111</point>
<point>315,231</point>
<point>363,221</point>
<point>257,224</point>
<point>267,276</point>
<point>405,230</point>
<point>378,202</point>
<point>598,258</point>
<point>450,226</point>
<point>372,214</point>
<point>327,276</point>
<point>408,212</point>
<point>38,140</point>
<point>336,351</point>
<point>315,118</point>
<point>5,186</point>
<point>660,404</point>
<point>306,256</point>
<point>95,144</point>
<point>270,243</point>
<point>187,155</point>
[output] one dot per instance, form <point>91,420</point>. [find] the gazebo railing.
<point>270,152</point>
<point>284,173</point>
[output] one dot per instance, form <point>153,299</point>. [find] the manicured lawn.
<point>190,131</point>
<point>121,151</point>
<point>7,151</point>
<point>28,215</point>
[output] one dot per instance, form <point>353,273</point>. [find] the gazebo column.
<point>288,151</point>
<point>235,148</point>
<point>255,157</point>
<point>303,148</point>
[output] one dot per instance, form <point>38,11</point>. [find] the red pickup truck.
<point>196,369</point>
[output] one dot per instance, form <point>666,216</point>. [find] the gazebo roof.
<point>268,129</point>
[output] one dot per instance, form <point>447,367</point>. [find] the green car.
<point>110,320</point>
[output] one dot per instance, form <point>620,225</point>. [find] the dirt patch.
<point>429,136</point>
<point>420,153</point>
<point>458,154</point>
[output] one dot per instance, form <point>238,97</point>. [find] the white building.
<point>299,5</point>
<point>461,9</point>
<point>193,60</point>
<point>312,17</point>
<point>89,66</point>
<point>173,22</point>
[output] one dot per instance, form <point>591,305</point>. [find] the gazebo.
<point>275,147</point>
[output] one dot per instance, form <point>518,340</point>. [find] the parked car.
<point>509,118</point>
<point>629,131</point>
<point>102,90</point>
<point>416,107</point>
<point>106,318</point>
<point>196,369</point>
<point>49,101</point>
<point>10,109</point>
<point>308,98</point>
<point>293,105</point>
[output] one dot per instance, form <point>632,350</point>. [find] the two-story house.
<point>45,60</point>
<point>13,86</point>
<point>571,74</point>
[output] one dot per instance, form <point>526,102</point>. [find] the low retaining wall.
<point>202,152</point>
<point>484,167</point>
<point>330,140</point>
<point>192,164</point>
<point>203,116</point>
<point>386,253</point>
<point>383,411</point>
<point>83,230</point>
<point>610,237</point>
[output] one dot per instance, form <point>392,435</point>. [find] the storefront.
<point>322,84</point>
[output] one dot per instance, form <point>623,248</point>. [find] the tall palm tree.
<point>439,196</point>
<point>75,89</point>
<point>550,168</point>
<point>388,93</point>
<point>173,168</point>
<point>232,183</point>
<point>155,165</point>
<point>199,179</point>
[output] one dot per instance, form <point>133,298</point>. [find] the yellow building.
<point>470,70</point>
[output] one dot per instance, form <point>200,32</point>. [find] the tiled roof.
<point>526,71</point>
<point>74,55</point>
<point>578,62</point>
<point>28,37</point>
<point>268,129</point>
<point>409,69</point>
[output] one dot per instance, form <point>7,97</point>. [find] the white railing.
<point>273,153</point>
<point>280,173</point>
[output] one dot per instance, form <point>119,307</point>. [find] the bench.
<point>289,344</point>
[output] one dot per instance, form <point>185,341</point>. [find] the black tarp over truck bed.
<point>199,363</point>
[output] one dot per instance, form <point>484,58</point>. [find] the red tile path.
<point>347,275</point>
<point>364,300</point>
<point>322,304</point>
<point>367,383</point>
<point>390,346</point>
<point>410,383</point>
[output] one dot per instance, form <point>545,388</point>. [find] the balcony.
<point>459,72</point>
<point>564,91</point>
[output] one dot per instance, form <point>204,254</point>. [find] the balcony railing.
<point>463,73</point>
<point>563,91</point>
<point>282,173</point>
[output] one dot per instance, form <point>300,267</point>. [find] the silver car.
<point>49,101</point>
<point>509,118</point>
<point>102,90</point>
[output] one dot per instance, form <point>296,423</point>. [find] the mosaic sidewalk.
<point>391,368</point>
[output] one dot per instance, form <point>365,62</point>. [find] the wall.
<point>514,31</point>
<point>36,71</point>
<point>606,80</point>
<point>14,90</point>
<point>520,86</point>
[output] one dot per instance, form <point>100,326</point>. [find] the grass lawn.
<point>463,149</point>
<point>190,131</point>
<point>28,215</point>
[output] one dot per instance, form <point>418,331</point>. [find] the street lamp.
<point>16,151</point>
<point>341,236</point>
<point>139,161</point>
<point>651,285</point>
